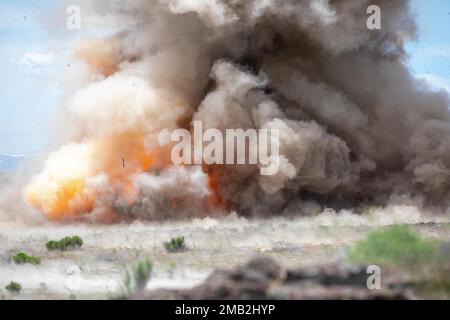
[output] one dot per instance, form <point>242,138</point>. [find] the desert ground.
<point>97,269</point>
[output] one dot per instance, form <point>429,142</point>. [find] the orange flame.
<point>66,194</point>
<point>214,177</point>
<point>69,199</point>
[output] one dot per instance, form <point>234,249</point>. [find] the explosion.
<point>59,192</point>
<point>355,127</point>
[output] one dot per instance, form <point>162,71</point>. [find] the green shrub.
<point>136,277</point>
<point>13,287</point>
<point>22,258</point>
<point>175,244</point>
<point>66,243</point>
<point>397,245</point>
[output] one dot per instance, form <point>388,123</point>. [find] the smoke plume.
<point>356,129</point>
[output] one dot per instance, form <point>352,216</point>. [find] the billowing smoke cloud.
<point>355,127</point>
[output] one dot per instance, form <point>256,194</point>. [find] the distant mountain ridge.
<point>9,162</point>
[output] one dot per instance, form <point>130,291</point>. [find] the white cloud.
<point>36,59</point>
<point>436,82</point>
<point>19,155</point>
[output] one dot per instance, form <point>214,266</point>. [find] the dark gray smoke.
<point>356,128</point>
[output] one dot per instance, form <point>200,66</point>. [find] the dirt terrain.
<point>96,270</point>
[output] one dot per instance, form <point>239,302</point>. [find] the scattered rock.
<point>263,278</point>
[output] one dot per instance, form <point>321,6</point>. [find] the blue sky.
<point>430,55</point>
<point>31,61</point>
<point>27,92</point>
